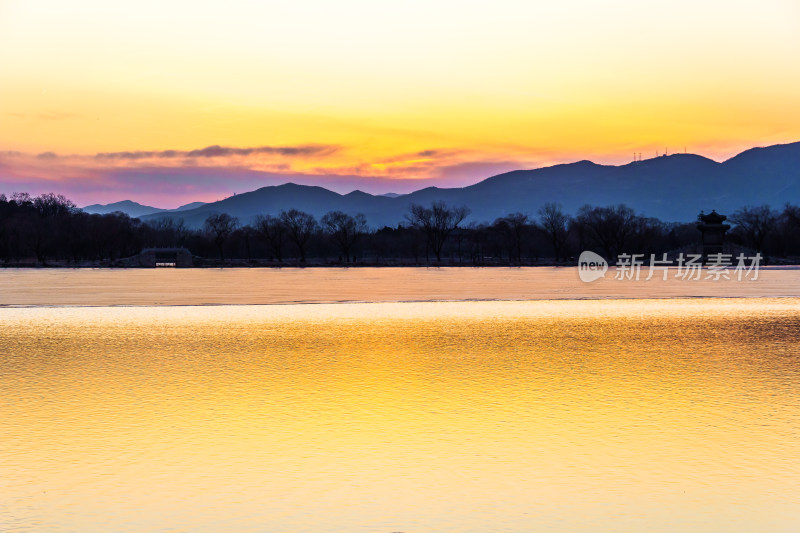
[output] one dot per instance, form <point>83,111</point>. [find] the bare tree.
<point>555,224</point>
<point>52,205</point>
<point>300,227</point>
<point>477,241</point>
<point>52,210</point>
<point>648,235</point>
<point>755,224</point>
<point>610,227</point>
<point>272,230</point>
<point>21,198</point>
<point>437,222</point>
<point>245,235</point>
<point>344,229</point>
<point>168,232</point>
<point>512,228</point>
<point>219,227</point>
<point>792,215</point>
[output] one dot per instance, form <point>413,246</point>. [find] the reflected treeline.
<point>50,230</point>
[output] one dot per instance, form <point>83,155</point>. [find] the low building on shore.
<point>164,257</point>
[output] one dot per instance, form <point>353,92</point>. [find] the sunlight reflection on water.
<point>623,415</point>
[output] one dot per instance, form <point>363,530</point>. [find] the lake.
<point>214,286</point>
<point>609,414</point>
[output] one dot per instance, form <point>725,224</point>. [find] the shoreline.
<point>789,265</point>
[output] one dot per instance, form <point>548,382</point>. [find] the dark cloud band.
<point>312,150</point>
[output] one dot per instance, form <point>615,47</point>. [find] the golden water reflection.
<point>610,415</point>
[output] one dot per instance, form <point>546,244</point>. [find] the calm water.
<point>599,415</point>
<point>24,287</point>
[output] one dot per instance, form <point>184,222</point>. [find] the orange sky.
<point>373,95</point>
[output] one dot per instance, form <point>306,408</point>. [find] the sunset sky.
<point>167,102</point>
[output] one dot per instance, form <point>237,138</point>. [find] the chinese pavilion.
<point>712,229</point>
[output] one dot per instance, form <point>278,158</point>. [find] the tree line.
<point>50,229</point>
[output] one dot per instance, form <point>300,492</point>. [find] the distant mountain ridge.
<point>134,209</point>
<point>672,188</point>
<point>129,207</point>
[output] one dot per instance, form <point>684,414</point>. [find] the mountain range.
<point>672,188</point>
<point>134,209</point>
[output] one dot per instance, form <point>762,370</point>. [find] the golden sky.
<point>372,95</point>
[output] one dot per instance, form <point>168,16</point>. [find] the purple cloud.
<point>224,151</point>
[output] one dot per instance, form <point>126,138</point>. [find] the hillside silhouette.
<point>672,188</point>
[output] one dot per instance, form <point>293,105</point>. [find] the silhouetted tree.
<point>300,227</point>
<point>49,227</point>
<point>272,231</point>
<point>648,235</point>
<point>44,229</point>
<point>477,242</point>
<point>754,225</point>
<point>609,228</point>
<point>53,205</point>
<point>219,227</point>
<point>789,227</point>
<point>344,229</point>
<point>21,199</point>
<point>437,222</point>
<point>792,214</point>
<point>246,235</point>
<point>555,224</point>
<point>512,228</point>
<point>167,232</point>
<point>114,235</point>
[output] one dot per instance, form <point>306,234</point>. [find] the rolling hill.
<point>672,188</point>
<point>134,209</point>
